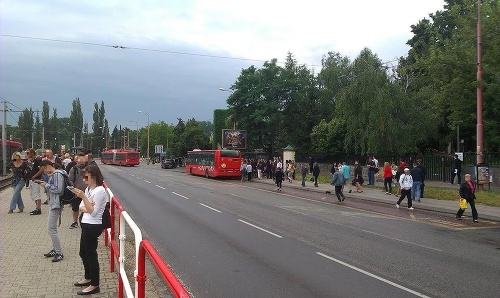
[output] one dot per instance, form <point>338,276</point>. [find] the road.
<point>230,239</point>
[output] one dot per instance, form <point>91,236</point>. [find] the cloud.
<point>173,85</point>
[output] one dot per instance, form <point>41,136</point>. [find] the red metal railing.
<point>144,247</point>
<point>165,271</point>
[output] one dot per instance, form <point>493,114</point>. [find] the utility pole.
<point>479,137</point>
<point>4,139</point>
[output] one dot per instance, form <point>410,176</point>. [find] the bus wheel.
<point>206,174</point>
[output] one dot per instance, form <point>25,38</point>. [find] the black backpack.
<point>67,196</point>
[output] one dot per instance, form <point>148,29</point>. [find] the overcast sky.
<point>168,85</point>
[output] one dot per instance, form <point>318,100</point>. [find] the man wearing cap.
<point>406,183</point>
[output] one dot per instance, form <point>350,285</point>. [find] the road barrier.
<point>142,247</point>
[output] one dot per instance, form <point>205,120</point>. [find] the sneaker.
<point>397,206</point>
<point>411,208</point>
<point>46,202</point>
<point>58,257</point>
<point>475,220</point>
<point>386,193</point>
<point>350,191</point>
<point>50,254</point>
<point>36,212</point>
<point>74,225</point>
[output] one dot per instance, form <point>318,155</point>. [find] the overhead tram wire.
<point>156,50</point>
<point>137,48</point>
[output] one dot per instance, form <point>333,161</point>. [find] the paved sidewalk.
<point>376,194</point>
<point>25,272</point>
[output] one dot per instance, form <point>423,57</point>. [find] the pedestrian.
<point>66,160</point>
<point>371,171</point>
<point>338,183</point>
<point>291,171</point>
<point>311,164</point>
<point>333,169</point>
<point>395,177</point>
<point>19,174</point>
<point>243,170</point>
<point>315,173</point>
<point>424,174</point>
<point>358,176</point>
<point>456,169</point>
<point>416,174</point>
<point>71,164</point>
<point>76,177</point>
<point>303,172</point>
<point>406,183</point>
<point>279,176</point>
<point>93,205</point>
<point>54,187</point>
<point>249,171</point>
<point>387,178</point>
<point>35,174</point>
<point>467,192</point>
<point>346,171</point>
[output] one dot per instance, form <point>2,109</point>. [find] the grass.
<point>487,198</point>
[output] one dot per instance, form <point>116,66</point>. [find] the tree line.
<point>50,131</point>
<point>366,106</point>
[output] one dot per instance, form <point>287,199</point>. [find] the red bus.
<point>120,157</point>
<point>12,146</point>
<point>214,163</point>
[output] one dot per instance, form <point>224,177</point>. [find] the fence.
<point>438,167</point>
<point>143,248</point>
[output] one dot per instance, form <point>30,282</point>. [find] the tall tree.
<point>25,127</point>
<point>46,124</point>
<point>76,121</point>
<point>54,142</point>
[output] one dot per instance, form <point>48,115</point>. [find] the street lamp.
<point>136,135</point>
<point>147,154</point>
<point>234,117</point>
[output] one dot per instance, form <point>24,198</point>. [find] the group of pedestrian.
<point>48,174</point>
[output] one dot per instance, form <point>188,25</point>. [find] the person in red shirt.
<point>387,178</point>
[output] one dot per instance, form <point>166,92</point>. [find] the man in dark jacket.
<point>456,168</point>
<point>416,175</point>
<point>315,173</point>
<point>467,191</point>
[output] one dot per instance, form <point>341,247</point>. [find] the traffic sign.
<point>158,148</point>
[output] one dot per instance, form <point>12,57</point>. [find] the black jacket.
<point>457,164</point>
<point>467,192</point>
<point>417,174</point>
<point>316,170</point>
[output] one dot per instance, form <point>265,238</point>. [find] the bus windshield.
<point>229,153</point>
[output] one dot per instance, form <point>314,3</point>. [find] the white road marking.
<point>404,241</point>
<point>288,209</point>
<point>180,195</point>
<point>209,207</point>
<point>373,275</point>
<point>160,186</point>
<point>259,228</point>
<point>147,181</point>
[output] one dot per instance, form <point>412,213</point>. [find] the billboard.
<point>234,139</point>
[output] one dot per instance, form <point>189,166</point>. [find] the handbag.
<point>463,203</point>
<point>106,218</point>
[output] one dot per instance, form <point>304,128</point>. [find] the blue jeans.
<point>16,196</point>
<point>303,180</point>
<point>371,177</point>
<point>415,190</point>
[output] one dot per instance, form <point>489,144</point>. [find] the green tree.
<point>76,121</point>
<point>25,127</point>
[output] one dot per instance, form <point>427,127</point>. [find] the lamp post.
<point>136,135</point>
<point>234,117</point>
<point>147,154</point>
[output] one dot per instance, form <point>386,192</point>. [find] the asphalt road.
<point>230,239</point>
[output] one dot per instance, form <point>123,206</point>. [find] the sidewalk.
<point>375,194</point>
<point>25,272</point>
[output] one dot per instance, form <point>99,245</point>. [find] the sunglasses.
<point>86,177</point>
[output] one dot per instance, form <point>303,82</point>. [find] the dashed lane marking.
<point>209,207</point>
<point>259,228</point>
<point>160,186</point>
<point>180,195</point>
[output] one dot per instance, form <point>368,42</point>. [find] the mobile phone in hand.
<point>37,181</point>
<point>70,187</point>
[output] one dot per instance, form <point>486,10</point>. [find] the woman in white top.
<point>92,205</point>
